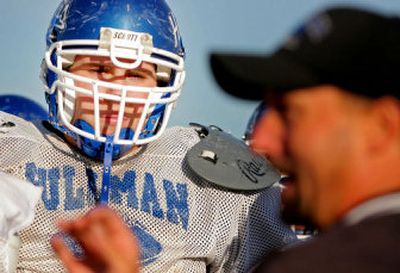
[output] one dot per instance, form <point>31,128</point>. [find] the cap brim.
<point>249,76</point>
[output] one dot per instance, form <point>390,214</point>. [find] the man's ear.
<point>384,124</point>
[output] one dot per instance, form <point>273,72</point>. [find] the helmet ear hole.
<point>163,73</point>
<point>161,83</point>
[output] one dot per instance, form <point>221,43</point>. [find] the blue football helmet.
<point>129,32</point>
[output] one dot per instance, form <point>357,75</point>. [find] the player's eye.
<point>101,69</point>
<point>135,74</point>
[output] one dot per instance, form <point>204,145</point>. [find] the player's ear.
<point>384,130</point>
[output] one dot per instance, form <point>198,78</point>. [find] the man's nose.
<point>268,136</point>
<point>114,74</point>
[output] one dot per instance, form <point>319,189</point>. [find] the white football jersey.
<point>183,223</point>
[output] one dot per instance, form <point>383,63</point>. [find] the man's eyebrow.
<point>107,63</point>
<point>144,70</point>
<point>79,65</point>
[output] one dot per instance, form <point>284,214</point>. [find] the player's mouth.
<point>113,119</point>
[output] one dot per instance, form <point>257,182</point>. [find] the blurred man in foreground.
<point>334,126</point>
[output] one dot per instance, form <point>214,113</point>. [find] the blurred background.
<point>255,26</point>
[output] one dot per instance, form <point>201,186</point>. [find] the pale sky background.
<point>206,25</point>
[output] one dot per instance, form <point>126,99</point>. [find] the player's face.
<point>311,134</point>
<point>102,68</point>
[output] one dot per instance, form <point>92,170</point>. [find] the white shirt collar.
<point>382,205</point>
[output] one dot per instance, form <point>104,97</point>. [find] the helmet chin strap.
<point>97,149</point>
<point>105,185</point>
<point>106,151</point>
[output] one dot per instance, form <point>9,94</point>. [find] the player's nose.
<point>114,74</point>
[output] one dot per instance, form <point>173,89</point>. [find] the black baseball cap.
<point>354,49</point>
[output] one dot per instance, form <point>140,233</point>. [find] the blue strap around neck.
<point>105,186</point>
<point>94,148</point>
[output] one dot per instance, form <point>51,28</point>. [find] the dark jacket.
<point>370,246</point>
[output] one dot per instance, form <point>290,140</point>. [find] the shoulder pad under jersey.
<point>224,160</point>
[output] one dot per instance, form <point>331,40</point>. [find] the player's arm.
<point>108,244</point>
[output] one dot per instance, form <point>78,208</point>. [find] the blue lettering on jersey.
<point>127,185</point>
<point>73,197</point>
<point>48,180</point>
<point>60,183</point>
<point>149,197</point>
<point>150,248</point>
<point>177,205</point>
<point>92,189</point>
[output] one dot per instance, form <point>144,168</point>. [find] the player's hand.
<point>109,244</point>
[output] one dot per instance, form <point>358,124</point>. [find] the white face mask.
<point>116,45</point>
